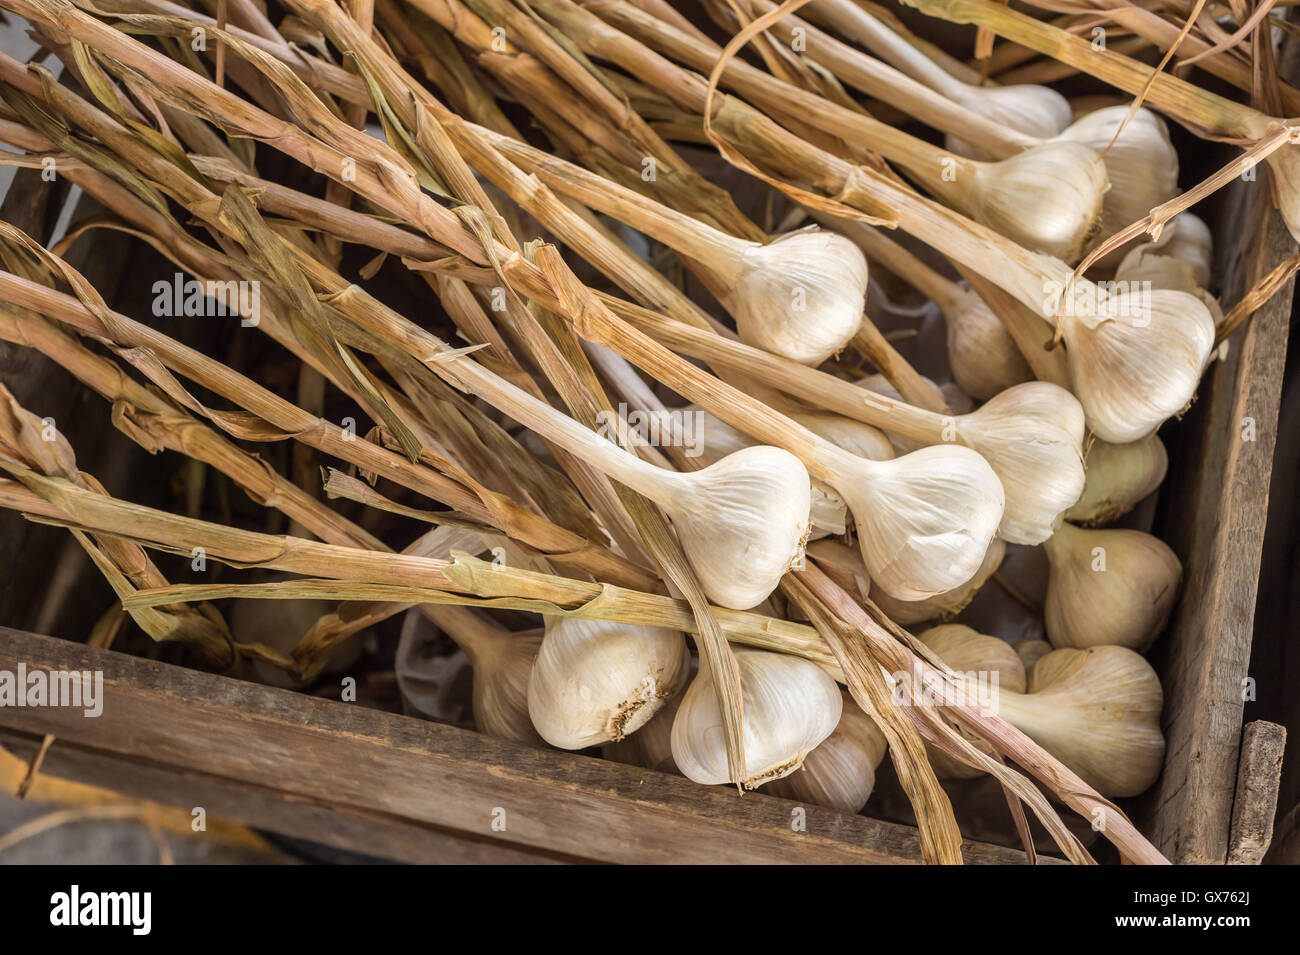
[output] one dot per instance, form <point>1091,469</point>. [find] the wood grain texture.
<point>223,739</point>
<point>1255,803</point>
<point>1217,529</point>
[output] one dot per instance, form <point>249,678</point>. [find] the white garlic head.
<point>1098,712</point>
<point>945,605</point>
<point>502,669</point>
<point>742,522</point>
<point>801,295</point>
<point>1135,357</point>
<point>1117,477</point>
<point>981,353</point>
<point>791,706</point>
<point>1108,587</point>
<point>1047,198</point>
<point>1142,165</point>
<point>1037,111</point>
<point>594,681</point>
<point>841,772</point>
<point>1032,435</point>
<point>925,519</point>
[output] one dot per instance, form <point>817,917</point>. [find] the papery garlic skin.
<point>1142,165</point>
<point>841,772</point>
<point>800,296</point>
<point>791,706</point>
<point>1032,435</point>
<point>651,746</point>
<point>981,353</point>
<point>945,605</point>
<point>1117,478</point>
<point>1136,358</point>
<point>1188,239</point>
<point>1098,712</point>
<point>594,682</point>
<point>500,694</point>
<point>925,520</point>
<point>1037,111</point>
<point>1031,651</point>
<point>827,510</point>
<point>1125,604</point>
<point>763,496</point>
<point>1148,264</point>
<point>1047,198</point>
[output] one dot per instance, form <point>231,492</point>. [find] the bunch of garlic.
<point>790,704</point>
<point>1108,587</point>
<point>594,681</point>
<point>841,772</point>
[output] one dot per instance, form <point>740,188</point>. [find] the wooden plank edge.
<point>195,722</point>
<point>1258,780</point>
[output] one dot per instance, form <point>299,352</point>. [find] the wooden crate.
<point>388,785</point>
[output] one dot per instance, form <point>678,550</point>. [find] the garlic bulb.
<point>945,605</point>
<point>841,772</point>
<point>1135,357</point>
<point>1188,239</point>
<point>827,509</point>
<point>594,681</point>
<point>1048,198</point>
<point>1031,651</point>
<point>968,651</point>
<point>981,353</point>
<point>791,706</point>
<point>651,747</point>
<point>1031,435</point>
<point>799,295</point>
<point>1118,476</point>
<point>1108,587</point>
<point>280,624</point>
<point>1142,165</point>
<point>924,520</point>
<point>1037,111</point>
<point>502,662</point>
<point>1098,712</point>
<point>1148,266</point>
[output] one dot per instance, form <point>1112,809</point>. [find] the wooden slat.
<point>1262,746</point>
<point>375,834</point>
<point>1218,530</point>
<point>200,727</point>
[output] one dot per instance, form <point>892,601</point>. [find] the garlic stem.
<point>1047,198</point>
<point>924,520</point>
<point>741,522</point>
<point>1198,109</point>
<point>1034,110</point>
<point>800,295</point>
